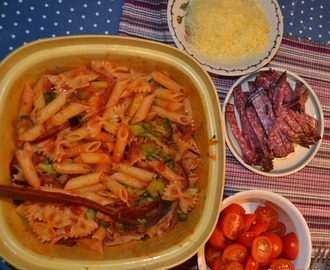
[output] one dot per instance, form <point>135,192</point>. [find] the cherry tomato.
<point>218,264</point>
<point>233,266</point>
<point>232,225</point>
<point>217,239</point>
<point>259,228</point>
<point>211,254</point>
<point>248,221</point>
<point>246,239</point>
<point>233,207</point>
<point>265,265</point>
<point>251,264</point>
<point>277,246</point>
<point>290,246</point>
<point>234,252</point>
<point>261,249</point>
<point>280,229</point>
<point>268,215</point>
<point>282,264</point>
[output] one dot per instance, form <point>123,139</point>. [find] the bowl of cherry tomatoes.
<point>257,229</point>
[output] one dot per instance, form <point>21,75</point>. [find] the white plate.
<point>175,10</point>
<point>294,161</point>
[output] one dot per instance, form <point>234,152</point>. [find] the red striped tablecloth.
<point>308,189</point>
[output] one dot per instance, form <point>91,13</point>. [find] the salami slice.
<point>241,100</point>
<point>249,156</point>
<point>263,106</point>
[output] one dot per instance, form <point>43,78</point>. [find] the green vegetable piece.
<point>91,213</point>
<point>155,152</point>
<point>161,129</point>
<point>24,121</point>
<point>183,216</point>
<point>155,188</point>
<point>48,168</point>
<point>50,96</point>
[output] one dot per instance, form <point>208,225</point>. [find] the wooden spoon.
<point>30,194</point>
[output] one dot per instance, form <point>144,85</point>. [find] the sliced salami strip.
<point>249,156</point>
<point>299,97</point>
<point>282,93</point>
<point>275,140</point>
<point>263,106</point>
<point>241,101</point>
<point>259,131</point>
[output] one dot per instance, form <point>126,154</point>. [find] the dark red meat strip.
<point>263,106</point>
<point>249,156</point>
<point>275,141</point>
<point>299,97</point>
<point>282,93</point>
<point>259,131</point>
<point>241,100</point>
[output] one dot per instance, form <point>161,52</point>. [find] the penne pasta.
<point>187,107</point>
<point>169,94</point>
<point>116,93</point>
<point>137,101</point>
<point>144,108</point>
<point>92,188</point>
<point>94,196</point>
<point>128,180</point>
<point>121,142</point>
<point>32,133</point>
<point>117,188</point>
<point>83,181</point>
<point>26,101</point>
<point>95,158</point>
<point>163,170</point>
<point>38,89</point>
<point>82,148</point>
<point>28,168</point>
<point>51,109</point>
<point>141,174</point>
<point>68,112</point>
<point>72,168</point>
<point>78,134</point>
<point>100,234</point>
<point>169,105</point>
<point>173,116</point>
<point>166,81</point>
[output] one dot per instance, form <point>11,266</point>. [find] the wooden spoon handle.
<point>30,194</point>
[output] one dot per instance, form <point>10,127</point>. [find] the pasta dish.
<point>121,137</point>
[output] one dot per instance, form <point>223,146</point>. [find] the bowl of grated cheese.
<point>229,38</point>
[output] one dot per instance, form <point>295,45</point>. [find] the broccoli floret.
<point>161,129</point>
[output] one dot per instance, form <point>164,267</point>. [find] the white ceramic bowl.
<point>19,247</point>
<point>288,214</point>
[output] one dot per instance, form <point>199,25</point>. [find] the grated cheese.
<point>227,29</point>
